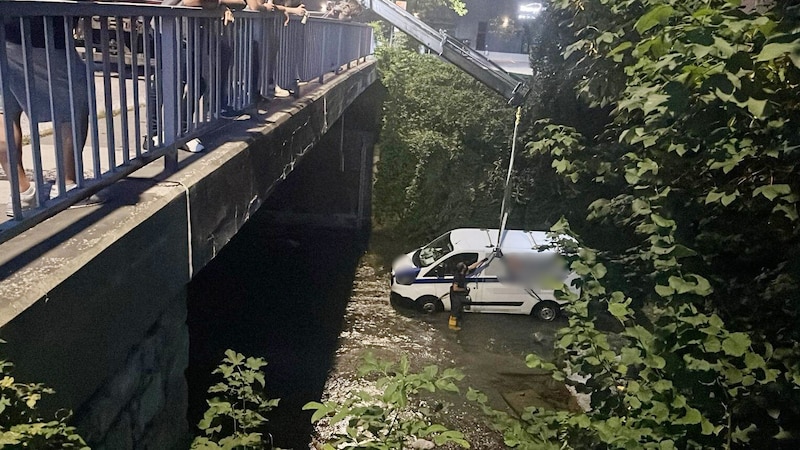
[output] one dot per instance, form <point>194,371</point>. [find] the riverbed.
<point>314,301</point>
<point>490,349</point>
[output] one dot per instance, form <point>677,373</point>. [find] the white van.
<point>424,276</point>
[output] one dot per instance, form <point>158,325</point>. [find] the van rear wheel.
<point>546,311</point>
<point>429,304</point>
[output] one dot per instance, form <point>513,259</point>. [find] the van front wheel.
<point>546,311</point>
<point>429,304</point>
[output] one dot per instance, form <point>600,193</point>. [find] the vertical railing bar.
<point>248,62</point>
<point>217,69</point>
<point>110,142</point>
<point>123,95</point>
<point>77,144</point>
<point>240,37</point>
<point>171,27</point>
<point>149,85</point>
<point>234,76</point>
<point>159,82</point>
<point>180,85</point>
<point>88,43</point>
<point>137,126</point>
<point>183,77</point>
<point>265,52</point>
<point>202,56</point>
<point>32,113</point>
<point>49,25</point>
<point>190,72</point>
<point>339,51</point>
<point>198,105</point>
<point>13,159</point>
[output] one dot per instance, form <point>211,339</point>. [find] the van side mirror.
<point>406,277</point>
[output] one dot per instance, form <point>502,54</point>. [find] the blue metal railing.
<point>135,83</point>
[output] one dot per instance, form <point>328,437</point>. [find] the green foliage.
<point>391,417</point>
<point>692,191</point>
<point>235,416</point>
<point>537,428</point>
<point>443,145</point>
<point>21,426</point>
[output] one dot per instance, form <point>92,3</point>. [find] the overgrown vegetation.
<point>22,425</point>
<point>677,172</point>
<point>442,134</point>
<point>391,415</point>
<point>235,415</point>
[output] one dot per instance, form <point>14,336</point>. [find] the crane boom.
<point>453,51</point>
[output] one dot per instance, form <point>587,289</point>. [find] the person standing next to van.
<point>459,291</point>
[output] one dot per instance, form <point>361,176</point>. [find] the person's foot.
<point>193,146</point>
<point>229,113</point>
<point>54,191</point>
<point>281,93</point>
<point>148,144</point>
<point>27,200</point>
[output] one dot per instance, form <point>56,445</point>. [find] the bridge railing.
<point>135,83</point>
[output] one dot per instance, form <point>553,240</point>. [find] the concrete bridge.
<point>93,299</point>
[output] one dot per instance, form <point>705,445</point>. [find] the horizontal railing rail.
<point>93,91</point>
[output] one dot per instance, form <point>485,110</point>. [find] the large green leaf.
<point>776,50</point>
<point>736,344</point>
<point>658,15</point>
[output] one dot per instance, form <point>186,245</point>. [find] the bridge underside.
<point>92,301</point>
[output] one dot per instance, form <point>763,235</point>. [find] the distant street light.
<point>529,11</point>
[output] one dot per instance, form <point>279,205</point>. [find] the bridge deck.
<point>36,261</point>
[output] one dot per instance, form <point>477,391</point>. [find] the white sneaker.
<point>27,200</point>
<point>54,192</point>
<point>281,93</point>
<point>194,146</point>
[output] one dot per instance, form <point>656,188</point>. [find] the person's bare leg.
<point>68,149</point>
<point>5,162</point>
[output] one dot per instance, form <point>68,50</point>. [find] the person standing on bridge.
<point>288,7</point>
<point>459,292</point>
<point>42,107</point>
<point>194,145</point>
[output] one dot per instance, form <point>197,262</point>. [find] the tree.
<point>443,145</point>
<point>692,231</point>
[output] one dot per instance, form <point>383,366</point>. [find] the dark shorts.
<point>58,81</point>
<point>457,300</point>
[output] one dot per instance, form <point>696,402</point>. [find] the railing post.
<point>170,49</point>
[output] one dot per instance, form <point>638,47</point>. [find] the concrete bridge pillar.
<point>332,186</point>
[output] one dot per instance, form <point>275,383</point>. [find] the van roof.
<point>477,238</point>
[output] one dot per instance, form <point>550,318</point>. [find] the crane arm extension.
<point>453,51</point>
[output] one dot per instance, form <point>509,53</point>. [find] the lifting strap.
<point>506,205</point>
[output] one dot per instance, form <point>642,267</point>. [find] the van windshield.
<point>435,250</point>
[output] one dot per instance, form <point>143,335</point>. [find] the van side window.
<point>447,268</point>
